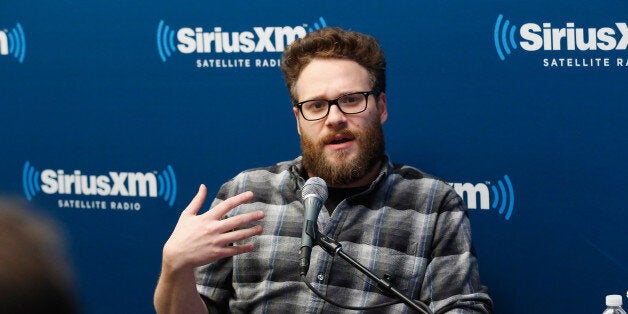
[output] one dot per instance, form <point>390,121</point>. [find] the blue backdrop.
<point>113,112</point>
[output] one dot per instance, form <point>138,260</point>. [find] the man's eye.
<point>315,105</point>
<point>350,99</point>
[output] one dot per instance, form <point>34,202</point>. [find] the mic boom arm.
<point>332,247</point>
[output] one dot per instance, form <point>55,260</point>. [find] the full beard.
<point>338,169</point>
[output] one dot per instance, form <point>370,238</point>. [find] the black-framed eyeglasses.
<point>352,103</point>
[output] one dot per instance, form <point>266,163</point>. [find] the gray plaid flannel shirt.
<point>407,225</point>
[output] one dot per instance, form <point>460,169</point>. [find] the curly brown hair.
<point>334,42</point>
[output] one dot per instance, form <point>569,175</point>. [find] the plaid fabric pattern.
<point>407,224</point>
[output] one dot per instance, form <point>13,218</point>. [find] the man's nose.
<point>335,116</point>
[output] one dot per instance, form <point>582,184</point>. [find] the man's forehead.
<point>331,78</point>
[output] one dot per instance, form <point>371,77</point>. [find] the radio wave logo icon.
<point>318,26</point>
<point>504,197</point>
<point>504,37</point>
<point>479,196</point>
<point>13,42</point>
<point>165,41</point>
<point>30,181</point>
<point>168,185</point>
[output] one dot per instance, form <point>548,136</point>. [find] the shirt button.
<point>320,277</point>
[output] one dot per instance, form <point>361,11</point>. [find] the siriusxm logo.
<point>189,40</point>
<point>478,196</point>
<point>131,184</point>
<point>546,37</point>
<point>13,42</point>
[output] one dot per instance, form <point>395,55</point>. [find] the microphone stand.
<point>332,247</point>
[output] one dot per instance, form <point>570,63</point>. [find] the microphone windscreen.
<point>315,186</point>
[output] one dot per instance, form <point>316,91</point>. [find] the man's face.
<point>343,149</point>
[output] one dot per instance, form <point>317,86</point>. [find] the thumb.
<point>197,202</point>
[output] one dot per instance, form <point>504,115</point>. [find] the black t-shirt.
<point>337,195</point>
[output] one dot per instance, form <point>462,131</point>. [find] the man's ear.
<point>297,114</point>
<point>382,107</point>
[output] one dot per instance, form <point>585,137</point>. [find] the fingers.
<point>238,221</point>
<point>232,237</point>
<point>197,202</point>
<point>223,208</point>
<point>235,250</point>
<point>238,235</point>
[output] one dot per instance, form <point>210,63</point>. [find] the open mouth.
<point>339,139</point>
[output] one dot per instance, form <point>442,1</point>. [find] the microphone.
<point>314,194</point>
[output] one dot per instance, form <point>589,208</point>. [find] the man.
<point>394,219</point>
